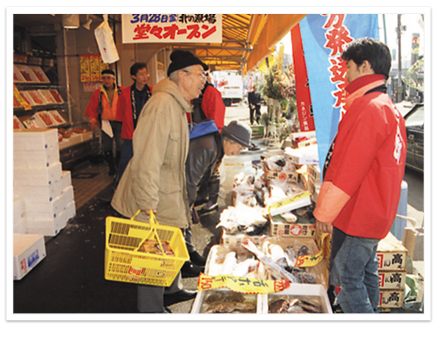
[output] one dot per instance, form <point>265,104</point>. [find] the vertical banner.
<point>304,103</point>
<point>324,39</point>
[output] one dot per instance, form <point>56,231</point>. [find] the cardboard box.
<point>316,294</point>
<point>391,298</point>
<point>413,240</point>
<point>391,254</point>
<point>29,250</point>
<point>304,156</point>
<point>392,280</point>
<point>38,176</point>
<point>300,228</point>
<point>320,270</point>
<point>35,139</point>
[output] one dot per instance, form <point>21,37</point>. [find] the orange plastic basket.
<point>126,260</point>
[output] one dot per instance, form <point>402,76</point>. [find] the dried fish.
<point>279,306</point>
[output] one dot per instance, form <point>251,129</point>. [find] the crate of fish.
<point>298,256</point>
<point>298,299</point>
<point>235,260</point>
<point>296,223</point>
<point>226,301</point>
<point>143,253</point>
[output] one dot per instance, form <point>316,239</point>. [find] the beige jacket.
<point>155,177</point>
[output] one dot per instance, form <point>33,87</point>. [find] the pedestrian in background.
<point>101,111</point>
<point>363,172</point>
<point>254,101</point>
<point>131,102</point>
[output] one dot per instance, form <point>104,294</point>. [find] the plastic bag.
<point>105,41</point>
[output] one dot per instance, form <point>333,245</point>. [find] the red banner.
<point>304,103</point>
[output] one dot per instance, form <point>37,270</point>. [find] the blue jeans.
<point>354,268</point>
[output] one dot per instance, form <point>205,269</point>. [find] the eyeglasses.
<point>203,76</point>
<point>240,146</point>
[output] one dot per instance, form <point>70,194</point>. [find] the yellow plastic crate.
<point>123,260</point>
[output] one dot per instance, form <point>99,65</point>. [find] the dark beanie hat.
<point>238,132</point>
<point>181,59</point>
<point>108,71</point>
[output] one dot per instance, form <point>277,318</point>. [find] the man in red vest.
<point>101,111</point>
<point>363,172</point>
<point>131,102</point>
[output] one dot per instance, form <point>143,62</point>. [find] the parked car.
<point>415,135</point>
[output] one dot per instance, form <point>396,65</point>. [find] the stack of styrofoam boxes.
<point>392,258</point>
<point>40,182</point>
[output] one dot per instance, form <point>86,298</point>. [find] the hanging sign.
<point>92,66</point>
<point>324,39</point>
<point>165,28</point>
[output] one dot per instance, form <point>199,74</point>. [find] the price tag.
<point>241,284</point>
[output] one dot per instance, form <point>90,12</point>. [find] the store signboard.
<point>324,39</point>
<point>167,28</point>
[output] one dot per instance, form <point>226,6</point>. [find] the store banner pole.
<point>325,37</point>
<point>304,102</point>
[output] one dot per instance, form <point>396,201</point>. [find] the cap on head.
<point>182,59</point>
<point>238,132</point>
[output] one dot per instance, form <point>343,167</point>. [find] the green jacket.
<point>155,176</point>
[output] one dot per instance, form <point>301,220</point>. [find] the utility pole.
<point>399,85</point>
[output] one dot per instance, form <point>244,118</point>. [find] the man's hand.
<point>324,227</point>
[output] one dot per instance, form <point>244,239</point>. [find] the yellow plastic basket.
<point>124,261</point>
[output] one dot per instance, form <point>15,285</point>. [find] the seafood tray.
<point>226,301</point>
<point>233,260</point>
<point>297,299</point>
<point>293,247</point>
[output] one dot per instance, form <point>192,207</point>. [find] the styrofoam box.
<point>35,139</point>
<point>39,194</point>
<point>197,307</point>
<point>44,210</point>
<point>314,291</point>
<point>20,225</point>
<point>67,196</point>
<point>46,226</point>
<point>43,158</point>
<point>86,136</point>
<point>392,280</point>
<point>212,268</point>
<point>75,138</point>
<point>65,180</point>
<point>19,208</point>
<point>64,143</point>
<point>29,250</point>
<point>38,176</point>
<point>391,298</point>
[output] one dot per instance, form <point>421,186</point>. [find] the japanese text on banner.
<point>152,28</point>
<point>241,284</point>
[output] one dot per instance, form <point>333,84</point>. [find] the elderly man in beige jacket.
<point>155,177</point>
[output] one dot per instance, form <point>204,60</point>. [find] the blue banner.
<point>324,38</point>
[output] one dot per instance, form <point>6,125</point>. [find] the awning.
<point>246,40</point>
